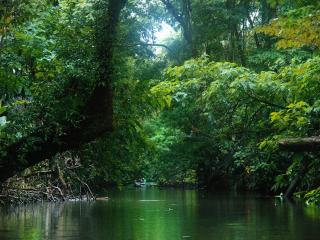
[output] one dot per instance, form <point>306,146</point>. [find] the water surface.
<point>154,214</point>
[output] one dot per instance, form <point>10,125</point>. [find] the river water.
<point>169,214</point>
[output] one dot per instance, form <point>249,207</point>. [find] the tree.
<point>96,111</point>
<point>184,18</point>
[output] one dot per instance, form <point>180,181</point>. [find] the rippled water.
<point>153,214</point>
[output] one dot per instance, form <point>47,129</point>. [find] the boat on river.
<point>140,183</point>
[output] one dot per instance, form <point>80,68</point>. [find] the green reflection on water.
<point>153,214</point>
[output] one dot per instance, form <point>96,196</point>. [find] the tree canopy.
<point>231,99</point>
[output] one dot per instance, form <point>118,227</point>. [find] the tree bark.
<point>235,38</point>
<point>308,144</point>
<point>98,112</point>
<point>267,13</point>
<point>239,45</point>
<point>246,4</point>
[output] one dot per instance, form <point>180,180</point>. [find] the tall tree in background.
<point>181,12</point>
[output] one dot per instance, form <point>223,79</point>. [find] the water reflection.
<point>154,214</point>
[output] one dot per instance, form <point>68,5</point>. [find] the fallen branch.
<point>87,186</point>
<point>308,144</point>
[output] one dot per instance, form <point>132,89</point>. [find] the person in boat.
<point>140,182</point>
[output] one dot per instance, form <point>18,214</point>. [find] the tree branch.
<point>145,44</point>
<point>307,144</point>
<point>266,102</point>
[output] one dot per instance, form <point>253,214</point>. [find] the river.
<point>168,214</point>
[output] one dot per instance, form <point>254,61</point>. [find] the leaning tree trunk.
<point>304,167</point>
<point>97,113</point>
<point>308,144</point>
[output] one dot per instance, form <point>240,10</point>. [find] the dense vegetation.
<point>88,92</point>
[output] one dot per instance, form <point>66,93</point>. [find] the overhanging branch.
<point>307,144</point>
<point>145,44</point>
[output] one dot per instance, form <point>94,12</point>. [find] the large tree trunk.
<point>235,39</point>
<point>246,4</point>
<point>267,13</point>
<point>97,120</point>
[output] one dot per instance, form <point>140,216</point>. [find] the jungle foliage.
<point>84,79</point>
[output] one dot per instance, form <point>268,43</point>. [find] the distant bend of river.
<point>167,214</point>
